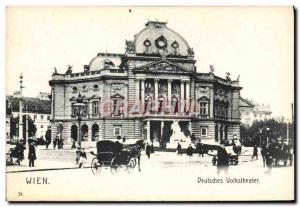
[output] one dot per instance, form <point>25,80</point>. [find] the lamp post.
<point>260,134</point>
<point>79,105</point>
<point>268,135</point>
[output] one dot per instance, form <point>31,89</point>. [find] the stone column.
<point>156,94</point>
<point>211,102</point>
<point>148,132</point>
<point>181,96</point>
<point>142,95</point>
<point>169,95</point>
<point>161,129</point>
<point>137,93</point>
<point>188,98</point>
<point>90,106</point>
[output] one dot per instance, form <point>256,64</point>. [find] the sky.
<point>255,43</point>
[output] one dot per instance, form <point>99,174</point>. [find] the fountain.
<point>178,136</point>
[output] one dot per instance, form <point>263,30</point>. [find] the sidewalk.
<point>58,159</point>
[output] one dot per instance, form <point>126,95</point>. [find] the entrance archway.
<point>84,132</point>
<point>95,132</point>
<point>74,132</point>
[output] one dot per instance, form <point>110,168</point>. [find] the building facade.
<point>251,112</point>
<point>39,110</point>
<point>140,93</point>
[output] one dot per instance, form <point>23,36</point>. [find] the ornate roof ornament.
<point>211,69</point>
<point>130,47</point>
<point>161,42</point>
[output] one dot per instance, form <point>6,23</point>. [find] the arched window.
<point>74,132</point>
<point>175,104</point>
<point>95,132</point>
<point>217,133</point>
<point>161,104</point>
<point>148,104</point>
<point>84,132</point>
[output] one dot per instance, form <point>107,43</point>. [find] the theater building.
<point>140,93</point>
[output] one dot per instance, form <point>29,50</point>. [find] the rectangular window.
<point>42,126</point>
<point>203,108</point>
<point>48,118</point>
<point>203,131</point>
<point>117,131</point>
<point>95,106</point>
<point>117,109</point>
<point>42,117</point>
<point>34,117</point>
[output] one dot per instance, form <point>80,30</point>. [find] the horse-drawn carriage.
<point>115,155</point>
<point>219,152</point>
<point>279,153</point>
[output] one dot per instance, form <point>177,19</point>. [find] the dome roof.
<point>104,61</point>
<point>156,37</point>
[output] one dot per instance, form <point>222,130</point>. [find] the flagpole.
<point>20,108</point>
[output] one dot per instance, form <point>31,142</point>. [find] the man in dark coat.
<point>255,152</point>
<point>179,149</point>
<point>20,151</point>
<point>269,162</point>
<point>148,150</point>
<point>223,161</point>
<point>189,150</point>
<point>31,154</point>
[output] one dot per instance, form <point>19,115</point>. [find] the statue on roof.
<point>191,52</point>
<point>108,63</point>
<point>130,46</point>
<point>69,70</point>
<point>211,69</point>
<point>228,76</point>
<point>55,71</point>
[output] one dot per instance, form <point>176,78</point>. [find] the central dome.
<point>156,37</point>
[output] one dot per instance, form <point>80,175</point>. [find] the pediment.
<point>117,96</point>
<point>162,66</point>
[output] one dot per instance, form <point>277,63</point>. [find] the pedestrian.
<point>222,161</point>
<point>20,150</point>
<point>263,154</point>
<point>148,150</point>
<point>269,162</point>
<point>73,144</point>
<point>152,148</point>
<point>189,150</point>
<point>124,139</point>
<point>179,149</point>
<point>201,149</point>
<point>255,152</point>
<point>193,137</point>
<point>55,142</point>
<point>82,158</point>
<point>31,154</point>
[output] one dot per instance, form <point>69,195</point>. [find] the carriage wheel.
<point>95,166</point>
<point>114,168</point>
<point>131,165</point>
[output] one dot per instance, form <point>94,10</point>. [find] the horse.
<point>132,151</point>
<point>280,154</point>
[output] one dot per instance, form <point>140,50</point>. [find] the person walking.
<point>148,150</point>
<point>189,150</point>
<point>263,153</point>
<point>269,163</point>
<point>223,161</point>
<point>179,149</point>
<point>31,154</point>
<point>255,152</point>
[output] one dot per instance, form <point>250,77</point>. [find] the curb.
<point>47,169</point>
